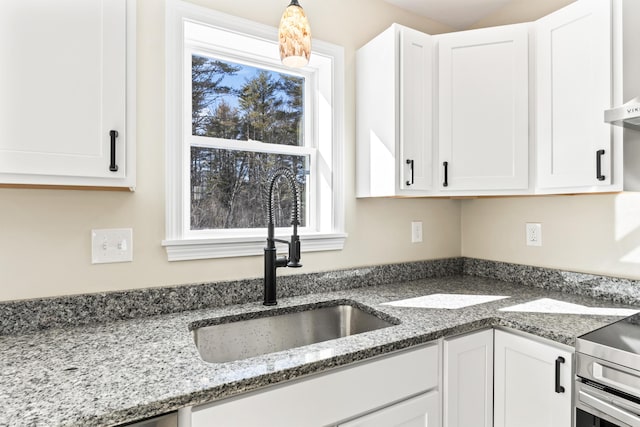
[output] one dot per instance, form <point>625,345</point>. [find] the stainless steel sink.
<point>235,339</point>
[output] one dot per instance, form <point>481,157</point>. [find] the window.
<point>234,114</point>
<point>252,120</point>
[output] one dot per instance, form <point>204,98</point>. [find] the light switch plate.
<point>111,245</point>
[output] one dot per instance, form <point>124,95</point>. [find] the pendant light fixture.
<point>295,36</point>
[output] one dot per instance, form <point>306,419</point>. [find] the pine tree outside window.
<point>234,114</point>
<point>243,111</point>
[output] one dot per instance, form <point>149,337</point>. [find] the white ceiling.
<point>459,14</point>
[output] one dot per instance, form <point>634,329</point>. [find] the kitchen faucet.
<point>271,260</point>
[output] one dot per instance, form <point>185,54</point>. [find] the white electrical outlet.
<point>534,234</point>
<point>416,231</point>
<point>111,245</point>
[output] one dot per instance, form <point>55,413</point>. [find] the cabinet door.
<point>416,110</point>
<point>468,380</point>
<point>574,87</point>
<point>420,411</point>
<point>394,132</point>
<point>483,109</point>
<point>526,392</point>
<point>63,84</point>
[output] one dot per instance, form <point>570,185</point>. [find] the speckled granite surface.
<point>610,288</point>
<point>119,371</point>
<point>37,314</point>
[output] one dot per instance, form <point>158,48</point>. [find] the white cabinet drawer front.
<point>328,398</point>
<point>420,411</point>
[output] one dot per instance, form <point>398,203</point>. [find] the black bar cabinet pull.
<point>410,162</point>
<point>559,361</point>
<point>113,167</point>
<point>446,174</point>
<point>599,155</point>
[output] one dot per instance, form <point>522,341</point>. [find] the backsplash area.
<point>45,313</point>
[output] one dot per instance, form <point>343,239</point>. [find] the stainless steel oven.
<point>607,392</point>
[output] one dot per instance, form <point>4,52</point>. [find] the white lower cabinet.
<point>502,379</point>
<point>489,378</point>
<point>420,411</point>
<point>533,382</point>
<point>468,380</point>
<point>378,390</point>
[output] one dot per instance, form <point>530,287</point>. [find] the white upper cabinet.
<point>416,107</point>
<point>67,80</point>
<point>483,109</point>
<point>394,114</point>
<point>574,85</point>
<point>507,119</point>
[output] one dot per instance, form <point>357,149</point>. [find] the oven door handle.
<point>609,409</point>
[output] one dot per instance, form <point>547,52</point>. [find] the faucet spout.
<point>271,260</point>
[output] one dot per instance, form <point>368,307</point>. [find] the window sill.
<point>228,247</point>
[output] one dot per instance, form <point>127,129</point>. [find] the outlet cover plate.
<point>534,234</point>
<point>416,231</point>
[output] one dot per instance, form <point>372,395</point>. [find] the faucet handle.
<point>294,252</point>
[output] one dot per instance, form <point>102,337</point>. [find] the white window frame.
<point>187,26</point>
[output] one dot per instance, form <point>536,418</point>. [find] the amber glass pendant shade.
<point>295,36</point>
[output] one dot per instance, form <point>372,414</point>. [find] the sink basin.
<point>235,339</point>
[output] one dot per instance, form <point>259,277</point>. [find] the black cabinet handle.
<point>113,167</point>
<point>446,174</point>
<point>410,162</point>
<point>559,361</point>
<point>599,155</point>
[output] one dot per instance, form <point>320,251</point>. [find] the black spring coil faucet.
<point>271,260</point>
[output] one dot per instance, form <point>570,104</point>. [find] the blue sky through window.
<point>244,74</point>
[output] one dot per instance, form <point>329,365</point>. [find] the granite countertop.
<point>120,371</point>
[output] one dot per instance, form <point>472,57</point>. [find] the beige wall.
<point>45,239</point>
<point>589,233</point>
<point>517,11</point>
